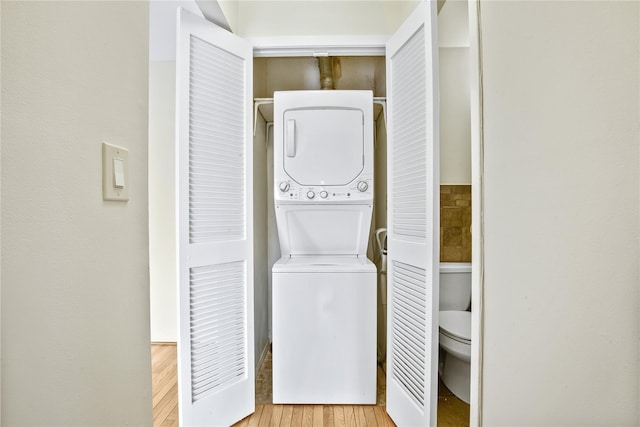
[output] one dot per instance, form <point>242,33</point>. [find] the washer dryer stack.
<point>324,287</point>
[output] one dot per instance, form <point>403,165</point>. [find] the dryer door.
<point>323,146</point>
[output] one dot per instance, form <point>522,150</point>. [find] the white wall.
<point>75,281</point>
<point>162,216</point>
<point>455,116</point>
<point>455,120</point>
<point>453,24</point>
<point>230,11</point>
<point>305,18</point>
<point>561,209</point>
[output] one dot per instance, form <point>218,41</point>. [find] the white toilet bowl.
<point>455,341</point>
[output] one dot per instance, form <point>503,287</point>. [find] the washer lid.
<point>323,264</point>
<point>456,323</point>
<point>323,229</point>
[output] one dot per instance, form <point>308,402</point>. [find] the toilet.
<point>455,328</point>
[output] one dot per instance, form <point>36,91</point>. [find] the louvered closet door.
<point>214,216</point>
<point>413,222</point>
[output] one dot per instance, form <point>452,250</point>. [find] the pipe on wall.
<point>329,71</point>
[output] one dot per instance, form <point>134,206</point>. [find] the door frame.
<point>477,209</point>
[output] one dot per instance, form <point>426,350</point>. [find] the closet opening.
<point>307,73</point>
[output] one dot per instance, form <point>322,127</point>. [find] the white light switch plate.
<point>112,154</point>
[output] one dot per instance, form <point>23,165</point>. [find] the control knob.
<point>363,186</point>
<point>311,194</point>
<point>284,186</point>
<point>324,194</point>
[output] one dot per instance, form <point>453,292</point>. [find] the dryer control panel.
<point>360,190</point>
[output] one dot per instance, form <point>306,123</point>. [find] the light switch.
<point>118,173</point>
<point>115,171</point>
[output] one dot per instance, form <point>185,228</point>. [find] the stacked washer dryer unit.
<point>324,287</point>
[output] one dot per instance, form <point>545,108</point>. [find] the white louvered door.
<point>214,71</point>
<point>413,220</point>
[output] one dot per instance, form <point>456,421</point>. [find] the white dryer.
<point>324,287</point>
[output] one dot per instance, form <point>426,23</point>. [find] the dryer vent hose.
<point>330,71</point>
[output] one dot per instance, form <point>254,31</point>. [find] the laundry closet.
<point>322,288</point>
<point>227,237</point>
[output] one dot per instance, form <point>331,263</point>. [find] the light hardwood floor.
<point>164,384</point>
<point>165,403</point>
<point>451,410</point>
<point>317,416</point>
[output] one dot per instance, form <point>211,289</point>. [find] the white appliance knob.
<point>311,194</point>
<point>284,186</point>
<point>362,186</point>
<point>324,194</point>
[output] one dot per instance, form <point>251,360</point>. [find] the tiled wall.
<point>455,223</point>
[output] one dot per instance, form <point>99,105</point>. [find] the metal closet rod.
<point>257,102</point>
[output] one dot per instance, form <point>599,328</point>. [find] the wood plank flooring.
<point>451,410</point>
<point>317,416</point>
<point>164,384</point>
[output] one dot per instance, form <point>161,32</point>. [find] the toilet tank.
<point>455,285</point>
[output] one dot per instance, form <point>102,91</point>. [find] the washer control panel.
<point>360,189</point>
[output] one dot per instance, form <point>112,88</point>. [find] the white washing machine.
<point>324,287</point>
